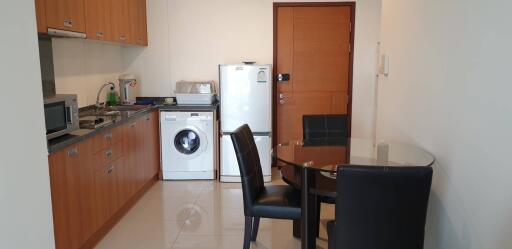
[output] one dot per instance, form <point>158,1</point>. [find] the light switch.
<point>384,64</point>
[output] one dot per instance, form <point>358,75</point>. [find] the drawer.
<point>109,154</point>
<point>105,139</point>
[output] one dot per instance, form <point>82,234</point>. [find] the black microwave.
<point>60,115</point>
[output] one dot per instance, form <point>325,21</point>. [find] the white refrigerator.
<point>245,98</point>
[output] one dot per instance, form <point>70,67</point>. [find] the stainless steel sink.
<point>127,110</point>
<point>100,117</point>
<point>94,122</point>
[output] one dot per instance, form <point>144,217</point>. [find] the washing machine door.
<point>189,142</point>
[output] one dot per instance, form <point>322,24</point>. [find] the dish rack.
<point>195,93</point>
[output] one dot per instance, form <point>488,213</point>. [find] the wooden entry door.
<point>313,63</point>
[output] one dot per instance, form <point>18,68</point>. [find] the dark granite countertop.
<point>62,142</point>
<point>186,108</point>
<point>79,135</point>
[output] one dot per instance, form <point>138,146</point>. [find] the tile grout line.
<point>184,221</point>
<point>177,236</point>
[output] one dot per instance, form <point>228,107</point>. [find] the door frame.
<point>276,5</point>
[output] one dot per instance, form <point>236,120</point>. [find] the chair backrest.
<point>325,126</point>
<point>381,207</point>
<point>249,165</point>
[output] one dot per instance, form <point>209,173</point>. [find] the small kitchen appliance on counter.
<point>195,93</point>
<point>61,115</point>
<point>129,89</point>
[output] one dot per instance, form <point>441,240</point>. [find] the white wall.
<point>188,39</point>
<point>25,206</point>
<point>449,92</point>
<point>82,66</point>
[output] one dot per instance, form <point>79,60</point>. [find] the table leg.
<point>308,212</point>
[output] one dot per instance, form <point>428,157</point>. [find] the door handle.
<point>109,153</point>
<point>68,23</point>
<point>73,152</point>
<point>282,98</point>
<point>110,169</point>
<point>283,77</point>
<point>108,136</point>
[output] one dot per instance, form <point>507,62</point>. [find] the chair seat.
<point>279,202</point>
<point>327,199</point>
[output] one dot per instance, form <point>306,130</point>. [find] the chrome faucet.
<point>98,105</point>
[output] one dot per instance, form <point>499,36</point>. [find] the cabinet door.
<point>106,187</point>
<point>41,16</point>
<point>70,182</point>
<point>87,162</point>
<point>146,148</point>
<point>143,24</point>
<point>120,19</point>
<point>138,22</point>
<point>66,15</point>
<point>98,19</point>
<point>153,145</point>
<point>130,157</point>
<point>141,153</point>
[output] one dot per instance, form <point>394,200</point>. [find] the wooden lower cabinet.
<point>94,182</point>
<point>72,195</point>
<point>106,188</point>
<point>152,145</point>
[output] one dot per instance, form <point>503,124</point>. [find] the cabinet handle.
<point>73,153</point>
<point>68,23</point>
<point>99,34</point>
<point>109,153</point>
<point>108,136</point>
<point>122,38</point>
<point>110,169</point>
<point>148,118</point>
<point>133,124</point>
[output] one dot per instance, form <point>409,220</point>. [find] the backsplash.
<point>82,66</point>
<point>46,62</point>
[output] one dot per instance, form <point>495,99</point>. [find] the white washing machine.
<point>187,145</point>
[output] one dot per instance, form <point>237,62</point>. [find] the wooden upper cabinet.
<point>138,23</point>
<point>42,27</point>
<point>98,19</point>
<point>143,24</point>
<point>66,15</point>
<point>120,19</point>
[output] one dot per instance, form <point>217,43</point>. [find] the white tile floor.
<point>199,214</point>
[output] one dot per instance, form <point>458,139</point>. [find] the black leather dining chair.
<point>380,207</point>
<point>260,201</point>
<point>330,128</point>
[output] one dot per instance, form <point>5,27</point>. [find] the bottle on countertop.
<point>112,97</point>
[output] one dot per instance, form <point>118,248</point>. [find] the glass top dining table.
<point>311,164</point>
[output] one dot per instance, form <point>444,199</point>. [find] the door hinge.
<point>350,27</point>
<point>349,48</point>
